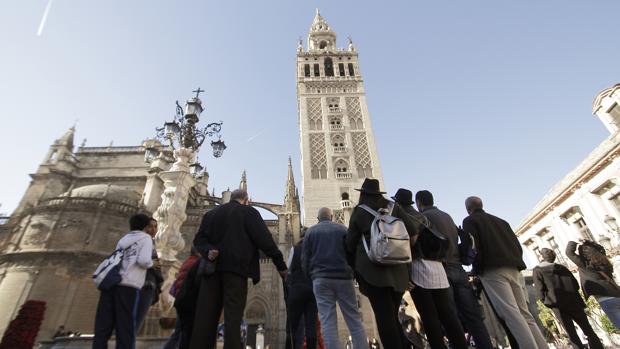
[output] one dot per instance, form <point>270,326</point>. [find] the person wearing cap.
<point>557,288</point>
<point>384,285</point>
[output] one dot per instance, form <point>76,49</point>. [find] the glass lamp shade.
<point>193,107</point>
<point>218,148</point>
<point>195,168</point>
<point>150,153</point>
<point>172,129</point>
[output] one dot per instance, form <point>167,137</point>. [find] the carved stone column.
<point>171,213</point>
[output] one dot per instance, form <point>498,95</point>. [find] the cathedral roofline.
<point>595,162</point>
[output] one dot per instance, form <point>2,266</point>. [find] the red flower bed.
<point>23,330</point>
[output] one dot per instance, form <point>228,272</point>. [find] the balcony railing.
<point>344,175</point>
<point>336,127</point>
<point>335,110</point>
<point>340,149</point>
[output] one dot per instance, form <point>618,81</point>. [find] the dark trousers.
<point>219,291</point>
<point>144,304</point>
<point>302,304</point>
<point>385,303</point>
<point>567,316</point>
<point>116,311</point>
<point>437,309</point>
<point>467,306</point>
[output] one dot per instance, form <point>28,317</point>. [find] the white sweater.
<point>136,259</point>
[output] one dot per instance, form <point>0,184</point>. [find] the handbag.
<point>206,267</point>
<point>431,244</point>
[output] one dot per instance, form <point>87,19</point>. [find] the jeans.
<point>144,304</point>
<point>503,287</point>
<point>328,292</point>
<point>116,312</point>
<point>611,307</point>
<point>467,306</point>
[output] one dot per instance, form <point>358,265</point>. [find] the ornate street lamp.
<point>184,137</point>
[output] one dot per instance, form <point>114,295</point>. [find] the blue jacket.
<point>323,254</point>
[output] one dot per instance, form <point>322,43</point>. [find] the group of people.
<point>326,265</point>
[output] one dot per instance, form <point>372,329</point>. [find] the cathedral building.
<point>337,144</point>
<point>75,210</point>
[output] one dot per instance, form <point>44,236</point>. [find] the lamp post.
<point>184,137</point>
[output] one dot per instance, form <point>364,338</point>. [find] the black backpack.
<point>431,244</point>
<point>467,247</point>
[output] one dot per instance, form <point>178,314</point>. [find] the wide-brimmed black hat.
<point>403,197</point>
<point>370,186</point>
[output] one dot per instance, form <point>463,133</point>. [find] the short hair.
<point>238,194</point>
<point>424,197</point>
<point>548,255</point>
<point>472,203</point>
<point>325,214</point>
<point>139,221</point>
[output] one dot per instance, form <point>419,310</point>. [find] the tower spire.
<point>243,184</point>
<point>291,197</point>
<point>67,139</point>
<point>321,37</point>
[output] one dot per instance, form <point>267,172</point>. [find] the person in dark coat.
<point>557,288</point>
<point>596,275</point>
<point>384,285</point>
<point>499,263</point>
<point>301,303</point>
<point>237,232</point>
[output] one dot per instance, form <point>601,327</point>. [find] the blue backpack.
<point>467,247</point>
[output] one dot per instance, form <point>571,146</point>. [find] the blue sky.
<point>467,97</point>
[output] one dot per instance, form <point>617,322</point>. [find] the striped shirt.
<point>429,274</point>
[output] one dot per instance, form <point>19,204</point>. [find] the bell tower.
<point>337,144</point>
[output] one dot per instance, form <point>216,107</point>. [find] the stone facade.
<point>75,210</point>
<point>585,204</point>
<point>337,144</point>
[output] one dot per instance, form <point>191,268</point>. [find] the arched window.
<point>329,67</point>
<point>342,166</point>
<point>338,141</point>
<point>322,44</point>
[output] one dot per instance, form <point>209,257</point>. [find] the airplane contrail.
<point>44,19</point>
<point>256,135</point>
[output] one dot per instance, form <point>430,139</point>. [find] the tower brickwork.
<point>337,144</point>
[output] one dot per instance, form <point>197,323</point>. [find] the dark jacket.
<point>444,224</point>
<point>556,287</point>
<point>496,243</point>
<point>297,279</point>
<point>397,276</point>
<point>238,232</point>
<point>593,283</point>
<point>323,253</point>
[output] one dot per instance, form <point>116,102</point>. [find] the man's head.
<point>424,199</point>
<point>241,196</point>
<point>139,221</point>
<point>151,229</point>
<point>547,255</point>
<point>325,214</point>
<point>472,204</point>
